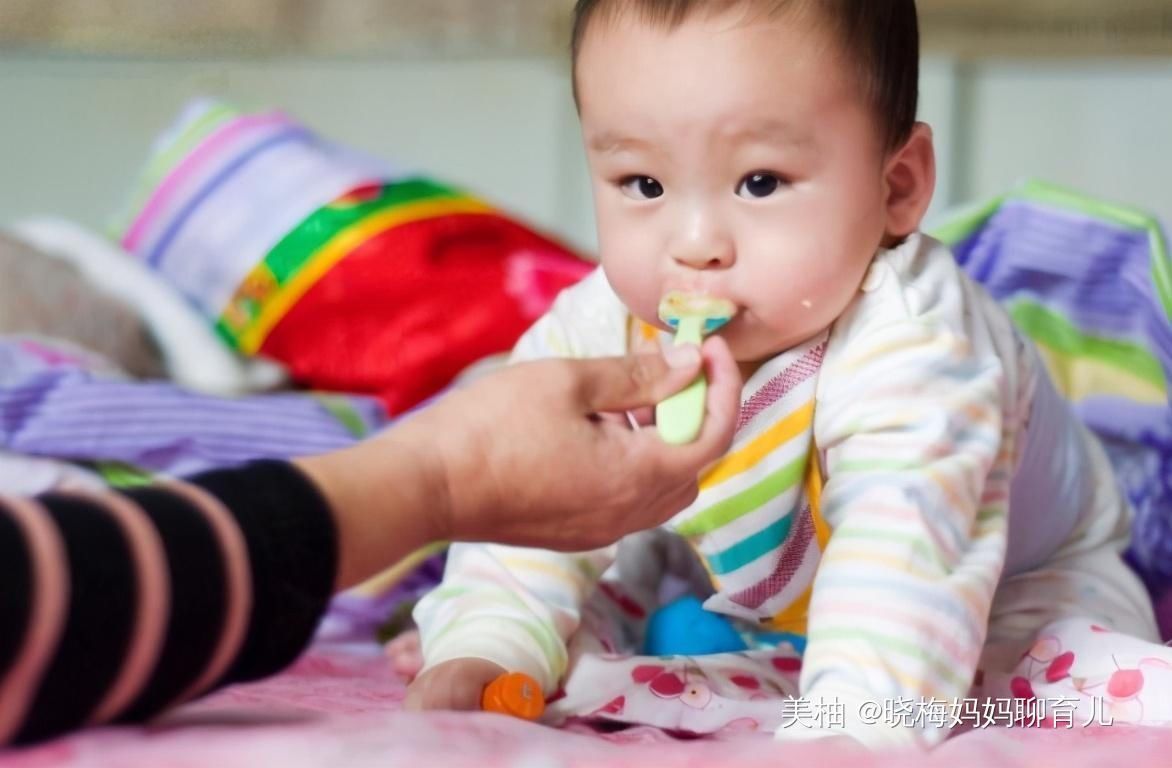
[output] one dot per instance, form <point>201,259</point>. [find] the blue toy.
<point>684,628</point>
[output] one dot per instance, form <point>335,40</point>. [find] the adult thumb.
<point>614,384</point>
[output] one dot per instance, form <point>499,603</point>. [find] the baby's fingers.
<point>454,685</point>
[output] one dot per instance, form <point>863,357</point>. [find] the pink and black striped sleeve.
<point>116,606</point>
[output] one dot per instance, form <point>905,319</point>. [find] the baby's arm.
<point>512,606</point>
<point>919,453</point>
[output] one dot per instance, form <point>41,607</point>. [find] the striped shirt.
<point>117,606</point>
<point>915,406</point>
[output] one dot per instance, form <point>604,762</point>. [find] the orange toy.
<point>514,694</point>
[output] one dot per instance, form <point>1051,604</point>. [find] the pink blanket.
<point>340,706</point>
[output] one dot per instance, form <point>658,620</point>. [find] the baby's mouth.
<point>708,313</point>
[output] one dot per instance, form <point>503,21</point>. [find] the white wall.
<point>74,131</point>
<point>1104,127</point>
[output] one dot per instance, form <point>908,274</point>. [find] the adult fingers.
<point>724,400</point>
<point>624,383</point>
<point>720,420</point>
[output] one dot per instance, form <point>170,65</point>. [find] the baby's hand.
<point>457,684</point>
<point>405,654</point>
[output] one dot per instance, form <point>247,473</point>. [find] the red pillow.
<point>412,306</point>
<point>355,276</point>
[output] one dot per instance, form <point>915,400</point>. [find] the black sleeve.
<point>291,546</point>
<point>293,551</point>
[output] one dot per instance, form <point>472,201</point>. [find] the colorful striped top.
<point>863,504</point>
<point>117,606</point>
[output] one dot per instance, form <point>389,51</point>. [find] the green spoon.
<point>680,417</point>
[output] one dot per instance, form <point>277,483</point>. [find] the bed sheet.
<point>340,705</point>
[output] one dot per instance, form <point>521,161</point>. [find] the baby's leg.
<point>1078,641</point>
<point>615,616</point>
<point>1063,631</point>
<point>1086,578</point>
<point>1095,586</point>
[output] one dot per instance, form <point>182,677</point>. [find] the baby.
<point>906,494</point>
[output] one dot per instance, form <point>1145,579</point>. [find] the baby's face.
<point>734,158</point>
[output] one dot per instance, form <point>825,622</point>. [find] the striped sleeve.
<point>514,606</point>
<point>117,606</point>
<point>511,606</point>
<point>918,455</point>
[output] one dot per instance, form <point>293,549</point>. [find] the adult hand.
<point>531,462</point>
<point>522,457</point>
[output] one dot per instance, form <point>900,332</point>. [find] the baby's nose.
<point>704,246</point>
<point>720,259</point>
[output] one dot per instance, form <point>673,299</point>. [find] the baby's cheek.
<point>791,312</point>
<point>820,289</point>
<point>637,285</point>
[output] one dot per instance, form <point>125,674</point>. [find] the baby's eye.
<point>641,187</point>
<point>759,185</point>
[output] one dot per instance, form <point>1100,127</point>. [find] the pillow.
<point>193,355</point>
<point>354,276</point>
<point>46,297</point>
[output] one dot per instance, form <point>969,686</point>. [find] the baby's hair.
<point>881,37</point>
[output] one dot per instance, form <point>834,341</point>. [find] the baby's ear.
<point>910,181</point>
